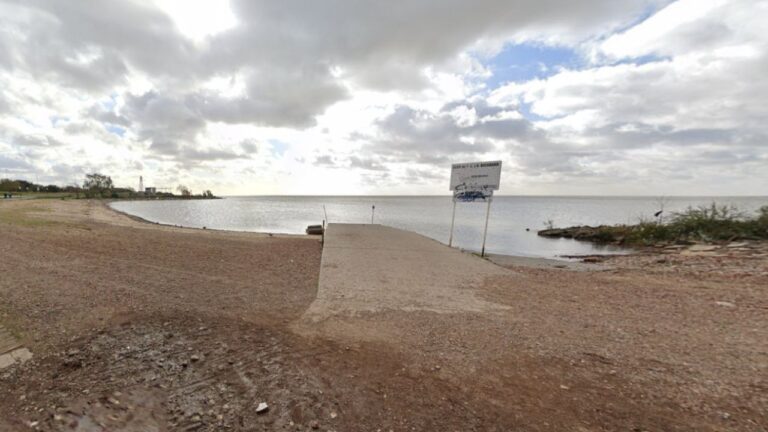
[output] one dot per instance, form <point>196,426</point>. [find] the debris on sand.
<point>725,304</point>
<point>262,408</point>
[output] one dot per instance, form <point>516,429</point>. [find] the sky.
<point>335,97</point>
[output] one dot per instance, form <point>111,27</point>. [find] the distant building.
<point>150,190</point>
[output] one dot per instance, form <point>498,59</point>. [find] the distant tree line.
<point>8,185</point>
<point>95,185</point>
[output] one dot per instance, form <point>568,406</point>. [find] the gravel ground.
<point>138,327</point>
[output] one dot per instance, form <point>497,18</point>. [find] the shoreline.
<point>588,262</point>
<point>106,204</point>
<point>504,260</point>
<point>571,262</point>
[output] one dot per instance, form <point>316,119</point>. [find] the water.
<point>430,216</point>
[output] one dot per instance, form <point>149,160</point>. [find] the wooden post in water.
<point>453,219</point>
<point>485,230</point>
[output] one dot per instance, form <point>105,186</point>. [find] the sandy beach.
<point>135,326</point>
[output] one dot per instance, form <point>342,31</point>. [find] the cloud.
<point>695,106</point>
<point>366,164</point>
<point>421,136</point>
<point>274,97</point>
<point>688,25</point>
<point>383,46</point>
<point>458,130</point>
<point>162,118</point>
<point>14,164</point>
<point>26,141</point>
<point>325,160</point>
<point>208,154</point>
<point>249,146</point>
<point>91,46</point>
<point>660,90</point>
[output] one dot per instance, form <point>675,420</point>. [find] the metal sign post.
<point>453,219</point>
<point>485,230</point>
<point>373,210</point>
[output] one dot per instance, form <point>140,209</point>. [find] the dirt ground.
<point>140,327</point>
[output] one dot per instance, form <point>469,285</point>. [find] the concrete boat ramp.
<point>374,268</point>
<point>11,350</point>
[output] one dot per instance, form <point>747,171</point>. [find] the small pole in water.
<point>485,231</point>
<point>453,219</point>
<point>373,210</point>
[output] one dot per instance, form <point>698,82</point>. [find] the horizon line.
<point>505,195</point>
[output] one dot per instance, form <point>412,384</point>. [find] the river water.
<point>512,227</point>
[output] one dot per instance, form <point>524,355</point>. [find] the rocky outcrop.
<point>600,234</point>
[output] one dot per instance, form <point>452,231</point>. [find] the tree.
<point>184,191</point>
<point>96,183</point>
<point>8,185</point>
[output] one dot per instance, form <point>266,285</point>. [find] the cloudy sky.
<point>641,97</point>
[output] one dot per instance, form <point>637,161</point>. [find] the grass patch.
<point>22,217</point>
<point>708,224</point>
<point>44,195</point>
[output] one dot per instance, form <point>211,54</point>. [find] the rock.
<point>702,248</point>
<point>6,360</point>
<point>334,415</point>
<point>194,358</point>
<point>675,247</point>
<point>599,234</point>
<point>262,408</point>
<point>738,245</point>
<point>21,355</point>
<point>314,230</point>
<point>314,424</point>
<point>725,304</point>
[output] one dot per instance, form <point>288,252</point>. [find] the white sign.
<point>472,195</point>
<point>476,176</point>
<point>471,182</point>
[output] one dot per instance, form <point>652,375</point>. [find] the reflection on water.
<point>512,227</point>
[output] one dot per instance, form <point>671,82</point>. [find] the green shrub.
<point>706,223</point>
<point>762,219</point>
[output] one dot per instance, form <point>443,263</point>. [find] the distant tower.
<point>141,184</point>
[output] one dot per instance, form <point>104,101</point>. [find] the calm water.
<point>430,216</point>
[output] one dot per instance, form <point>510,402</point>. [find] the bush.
<point>713,223</point>
<point>762,219</point>
<point>706,223</point>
